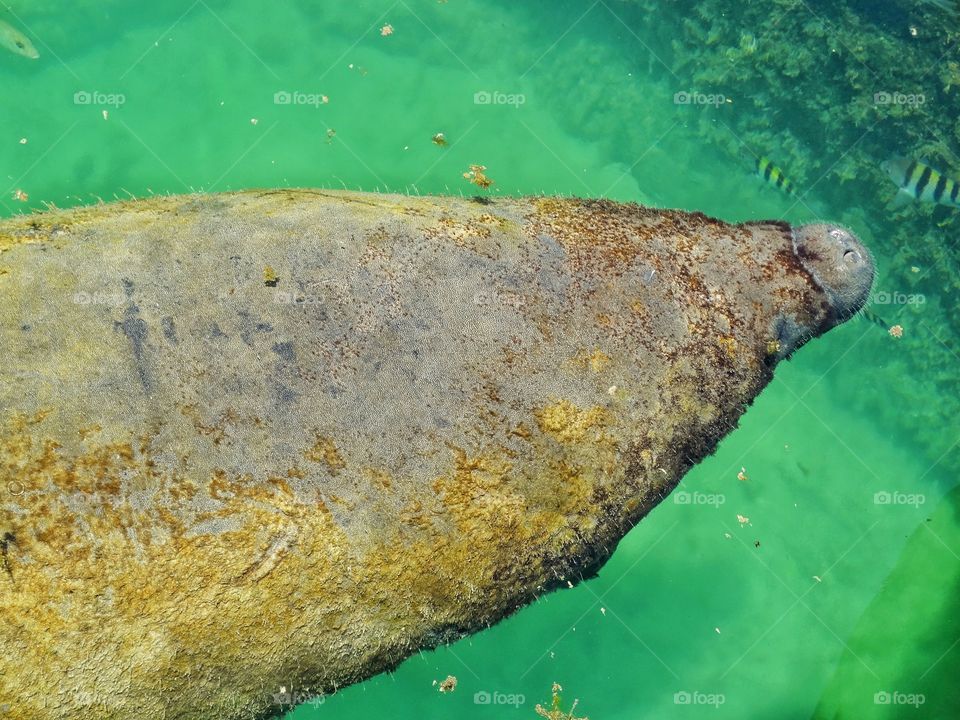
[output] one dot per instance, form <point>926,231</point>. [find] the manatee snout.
<point>838,262</point>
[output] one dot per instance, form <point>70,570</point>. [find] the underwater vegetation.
<point>829,90</point>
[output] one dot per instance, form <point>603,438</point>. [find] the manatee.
<point>274,442</point>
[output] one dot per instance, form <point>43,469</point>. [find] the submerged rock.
<point>263,445</point>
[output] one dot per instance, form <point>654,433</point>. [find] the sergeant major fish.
<point>16,42</point>
<point>774,175</point>
<point>919,181</point>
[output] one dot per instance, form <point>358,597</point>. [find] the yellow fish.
<point>16,42</point>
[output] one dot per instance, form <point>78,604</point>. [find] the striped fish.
<point>774,175</point>
<point>870,316</point>
<point>919,181</point>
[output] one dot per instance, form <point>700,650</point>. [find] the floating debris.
<point>440,139</point>
<point>20,195</point>
<point>386,30</point>
<point>448,685</point>
<point>742,475</point>
<point>896,331</point>
<point>555,712</point>
<point>743,520</point>
<point>478,177</point>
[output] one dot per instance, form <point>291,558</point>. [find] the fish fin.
<point>899,200</point>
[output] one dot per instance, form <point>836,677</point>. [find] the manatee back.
<point>275,438</point>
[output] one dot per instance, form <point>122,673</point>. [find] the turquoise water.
<point>769,618</point>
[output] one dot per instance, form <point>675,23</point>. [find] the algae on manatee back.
<point>229,487</point>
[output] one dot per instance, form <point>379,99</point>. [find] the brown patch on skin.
<point>86,432</point>
<point>566,423</point>
<point>379,478</point>
<point>473,234</point>
<point>596,360</point>
<point>216,431</point>
<point>325,451</point>
<point>729,344</point>
<point>521,431</point>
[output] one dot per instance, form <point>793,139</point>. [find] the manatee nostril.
<point>851,257</point>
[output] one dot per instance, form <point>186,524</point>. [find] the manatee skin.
<point>285,439</point>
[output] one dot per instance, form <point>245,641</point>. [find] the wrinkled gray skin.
<point>285,439</point>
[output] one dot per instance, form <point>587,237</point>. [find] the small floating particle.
<point>106,114</point>
<point>896,331</point>
<point>717,630</point>
<point>817,578</point>
<point>742,475</point>
<point>20,195</point>
<point>569,584</point>
<point>727,535</point>
<point>331,133</point>
<point>743,520</point>
<point>603,611</point>
<point>914,269</point>
<point>386,30</point>
<point>756,543</point>
<point>439,139</point>
<point>254,121</point>
<point>324,99</point>
<point>448,685</point>
<point>23,141</point>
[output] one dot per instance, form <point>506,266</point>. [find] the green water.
<point>772,616</point>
